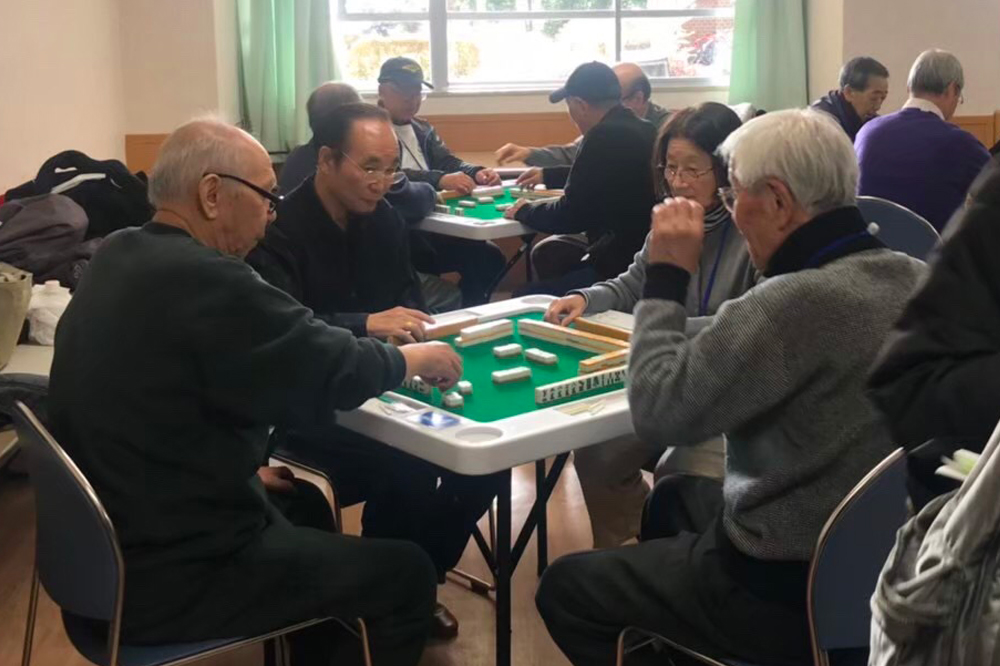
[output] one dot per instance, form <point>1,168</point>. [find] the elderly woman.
<point>686,166</point>
<point>781,372</point>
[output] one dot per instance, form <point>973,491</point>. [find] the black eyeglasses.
<point>272,199</point>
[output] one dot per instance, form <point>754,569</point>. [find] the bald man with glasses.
<point>340,249</point>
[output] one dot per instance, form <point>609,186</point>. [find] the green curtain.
<point>769,54</point>
<point>286,50</point>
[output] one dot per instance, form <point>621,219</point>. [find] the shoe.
<point>444,625</point>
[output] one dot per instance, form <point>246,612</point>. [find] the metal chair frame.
<point>820,655</point>
<point>114,625</point>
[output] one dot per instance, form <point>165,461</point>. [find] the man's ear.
<point>209,192</point>
<point>325,159</point>
<point>783,201</point>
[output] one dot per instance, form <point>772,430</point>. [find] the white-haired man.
<point>171,364</point>
<point>915,157</point>
<point>781,372</point>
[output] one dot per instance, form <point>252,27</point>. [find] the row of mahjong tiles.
<point>489,401</point>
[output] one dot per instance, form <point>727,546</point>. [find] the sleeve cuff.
<point>397,368</point>
<point>667,282</point>
<point>355,322</point>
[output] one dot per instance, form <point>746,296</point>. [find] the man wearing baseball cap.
<point>424,157</point>
<point>608,189</point>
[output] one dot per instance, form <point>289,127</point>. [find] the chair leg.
<point>365,648</point>
<point>29,628</point>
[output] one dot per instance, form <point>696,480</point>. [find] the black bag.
<point>116,198</point>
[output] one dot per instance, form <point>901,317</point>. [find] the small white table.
<point>30,359</point>
<point>27,359</point>
<point>474,448</point>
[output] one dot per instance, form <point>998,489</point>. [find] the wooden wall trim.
<point>981,127</point>
<point>485,132</point>
<point>141,150</point>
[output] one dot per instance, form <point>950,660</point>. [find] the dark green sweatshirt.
<point>171,362</point>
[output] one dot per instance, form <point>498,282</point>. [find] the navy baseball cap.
<point>404,71</point>
<point>591,82</point>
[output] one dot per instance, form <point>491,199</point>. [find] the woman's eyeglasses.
<point>685,174</point>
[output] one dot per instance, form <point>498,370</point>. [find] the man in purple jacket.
<point>915,157</point>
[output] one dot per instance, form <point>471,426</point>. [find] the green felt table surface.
<point>483,211</point>
<point>492,402</point>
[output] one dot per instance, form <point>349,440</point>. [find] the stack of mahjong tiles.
<point>481,195</point>
<point>605,369</point>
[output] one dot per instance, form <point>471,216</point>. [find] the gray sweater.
<point>735,275</point>
<point>781,372</point>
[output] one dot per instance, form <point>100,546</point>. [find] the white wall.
<point>171,63</point>
<point>62,83</point>
<point>824,44</point>
<point>896,31</point>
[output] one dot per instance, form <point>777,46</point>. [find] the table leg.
<point>504,570</point>
<point>542,531</point>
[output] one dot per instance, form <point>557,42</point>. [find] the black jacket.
<point>171,363</point>
<point>414,201</point>
<point>939,373</point>
<point>343,276</point>
<point>609,192</point>
<point>837,106</point>
<point>440,160</point>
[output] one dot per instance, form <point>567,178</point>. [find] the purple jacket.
<point>918,160</point>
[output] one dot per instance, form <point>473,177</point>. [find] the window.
<point>511,44</point>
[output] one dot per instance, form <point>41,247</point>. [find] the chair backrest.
<point>76,550</point>
<point>898,227</point>
<point>850,553</point>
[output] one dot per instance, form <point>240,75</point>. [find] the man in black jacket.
<point>609,188</point>
<point>342,251</point>
<point>864,85</point>
<point>938,376</point>
<point>171,364</point>
<point>413,201</point>
<point>426,159</point>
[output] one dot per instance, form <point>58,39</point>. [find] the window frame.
<point>438,16</point>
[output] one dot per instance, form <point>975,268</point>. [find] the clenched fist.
<point>678,231</point>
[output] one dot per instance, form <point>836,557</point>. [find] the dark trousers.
<point>290,574</point>
<point>577,279</point>
<point>694,588</point>
<point>479,263</point>
<point>405,497</point>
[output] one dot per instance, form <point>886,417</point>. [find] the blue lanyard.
<point>813,261</point>
<point>703,306</point>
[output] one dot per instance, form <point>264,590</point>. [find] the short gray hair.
<point>198,147</point>
<point>805,149</point>
<point>933,71</point>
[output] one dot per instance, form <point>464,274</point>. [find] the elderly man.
<point>425,158</point>
<point>171,364</point>
<point>781,372</point>
<point>915,157</point>
<point>343,252</point>
<point>608,190</point>
<point>864,85</point>
<point>636,94</point>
